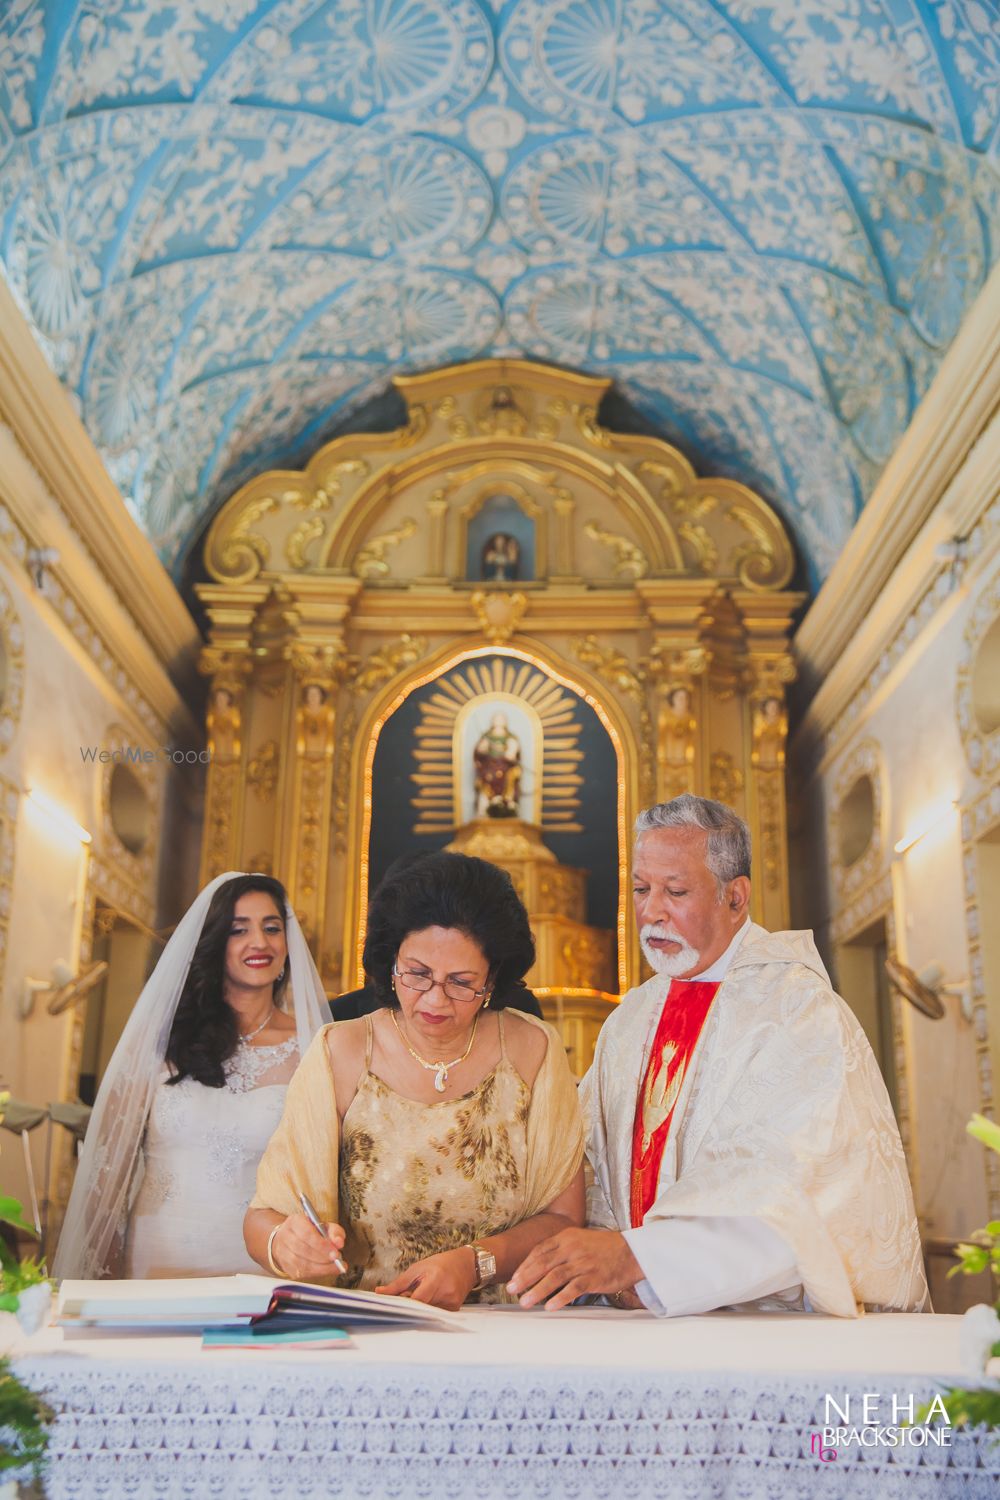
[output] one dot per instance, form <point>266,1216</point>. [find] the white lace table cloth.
<point>518,1406</point>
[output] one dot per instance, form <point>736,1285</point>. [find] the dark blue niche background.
<point>595,849</point>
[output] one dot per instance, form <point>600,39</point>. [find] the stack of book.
<point>251,1312</point>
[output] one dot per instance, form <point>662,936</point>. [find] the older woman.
<point>439,1138</point>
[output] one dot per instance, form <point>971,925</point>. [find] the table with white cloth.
<point>587,1402</point>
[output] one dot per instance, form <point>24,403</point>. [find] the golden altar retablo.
<point>505,543</point>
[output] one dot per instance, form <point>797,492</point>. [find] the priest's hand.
<point>571,1264</point>
<point>444,1280</point>
<point>300,1252</point>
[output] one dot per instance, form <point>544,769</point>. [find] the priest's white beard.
<point>670,964</point>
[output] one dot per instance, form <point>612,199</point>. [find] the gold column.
<point>767,622</point>
<point>317,676</point>
<point>564,506</point>
<point>437,514</point>
<point>229,672</point>
<point>676,674</point>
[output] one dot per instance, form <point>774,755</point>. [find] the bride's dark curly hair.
<point>205,1031</point>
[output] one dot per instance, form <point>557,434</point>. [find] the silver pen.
<point>313,1218</point>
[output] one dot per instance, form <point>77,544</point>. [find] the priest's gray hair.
<point>728,853</point>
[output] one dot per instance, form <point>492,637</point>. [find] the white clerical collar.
<point>720,968</point>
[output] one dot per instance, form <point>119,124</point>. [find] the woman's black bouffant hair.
<point>205,1031</point>
<point>449,890</point>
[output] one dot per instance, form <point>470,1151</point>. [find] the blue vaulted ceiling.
<point>230,221</point>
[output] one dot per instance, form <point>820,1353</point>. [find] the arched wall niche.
<point>333,592</point>
<point>858,819</point>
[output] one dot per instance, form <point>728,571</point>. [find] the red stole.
<point>685,1011</point>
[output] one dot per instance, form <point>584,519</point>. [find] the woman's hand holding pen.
<point>303,1254</point>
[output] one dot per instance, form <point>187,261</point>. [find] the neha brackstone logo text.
<point>865,1427</point>
<point>132,755</point>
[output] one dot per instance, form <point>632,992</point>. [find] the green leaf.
<point>11,1212</point>
<point>987,1131</point>
<point>9,1301</point>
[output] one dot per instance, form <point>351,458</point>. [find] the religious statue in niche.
<point>770,729</point>
<point>676,740</point>
<point>315,720</point>
<point>501,556</point>
<point>223,725</point>
<point>497,761</point>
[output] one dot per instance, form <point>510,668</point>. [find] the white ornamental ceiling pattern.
<point>231,221</point>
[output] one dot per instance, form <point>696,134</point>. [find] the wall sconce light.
<point>40,560</point>
<point>930,820</point>
<point>64,989</point>
<point>57,815</point>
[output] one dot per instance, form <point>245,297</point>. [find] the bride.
<point>194,1091</point>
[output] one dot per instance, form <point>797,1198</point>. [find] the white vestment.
<point>783,1119</point>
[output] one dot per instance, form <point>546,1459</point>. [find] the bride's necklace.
<point>439,1069</point>
<point>246,1036</point>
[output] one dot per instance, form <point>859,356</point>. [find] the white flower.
<point>33,1307</point>
<point>980,1330</point>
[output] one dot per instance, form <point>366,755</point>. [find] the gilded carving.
<point>304,534</point>
<point>310,848</point>
<point>756,558</point>
<point>501,412</point>
<point>262,771</point>
<point>370,561</point>
<point>769,803</point>
<point>671,481</point>
<point>583,955</point>
<point>725,779</point>
<point>630,561</point>
<point>244,551</point>
<point>562,891</point>
<point>498,612</point>
<point>380,665</point>
<point>223,788</point>
<point>342,776</point>
<point>703,548</point>
<point>610,665</point>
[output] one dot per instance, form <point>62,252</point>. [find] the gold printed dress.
<point>413,1179</point>
<point>417,1178</point>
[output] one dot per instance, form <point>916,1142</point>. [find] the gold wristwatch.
<point>486,1266</point>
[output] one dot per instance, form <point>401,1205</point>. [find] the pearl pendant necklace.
<point>245,1036</point>
<point>439,1069</point>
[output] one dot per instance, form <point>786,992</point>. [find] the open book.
<point>197,1302</point>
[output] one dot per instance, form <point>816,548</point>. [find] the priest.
<point>743,1147</point>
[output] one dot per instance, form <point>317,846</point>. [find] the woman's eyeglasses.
<point>461,993</point>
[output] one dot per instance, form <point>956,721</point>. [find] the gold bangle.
<point>270,1254</point>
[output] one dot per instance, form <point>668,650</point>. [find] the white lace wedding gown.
<point>199,1158</point>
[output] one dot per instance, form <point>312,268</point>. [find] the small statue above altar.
<point>497,761</point>
<point>501,556</point>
